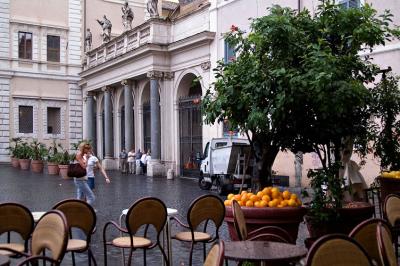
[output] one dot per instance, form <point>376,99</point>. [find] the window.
<point>24,45</point>
<point>53,120</point>
<point>229,54</point>
<point>53,48</point>
<point>25,119</point>
<point>349,3</point>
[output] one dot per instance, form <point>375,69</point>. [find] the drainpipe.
<point>298,5</point>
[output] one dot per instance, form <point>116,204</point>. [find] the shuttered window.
<point>53,48</point>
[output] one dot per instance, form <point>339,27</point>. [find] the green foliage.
<point>64,158</point>
<point>53,152</point>
<point>39,150</point>
<point>24,151</point>
<point>387,109</point>
<point>14,147</point>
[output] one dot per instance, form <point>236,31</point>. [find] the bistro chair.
<point>143,213</point>
<point>82,216</point>
<point>202,210</point>
<point>15,218</point>
<point>391,211</point>
<point>365,234</point>
<point>386,252</point>
<point>337,249</point>
<point>215,256</point>
<point>50,233</point>
<point>266,233</point>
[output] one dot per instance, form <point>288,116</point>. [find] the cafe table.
<point>4,260</point>
<point>268,252</point>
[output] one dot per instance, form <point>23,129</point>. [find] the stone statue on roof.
<point>88,40</point>
<point>152,8</point>
<point>106,25</point>
<point>127,16</point>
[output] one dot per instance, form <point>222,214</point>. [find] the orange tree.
<point>298,82</point>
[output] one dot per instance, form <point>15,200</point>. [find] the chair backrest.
<point>51,232</point>
<point>239,221</point>
<point>337,249</point>
<point>205,208</point>
<point>386,250</point>
<point>365,234</point>
<point>392,208</point>
<point>17,218</point>
<point>146,211</point>
<point>215,256</point>
<point>79,214</point>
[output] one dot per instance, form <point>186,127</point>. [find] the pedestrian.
<point>138,156</point>
<point>131,160</point>
<point>123,156</point>
<point>92,163</point>
<point>82,188</point>
<point>144,161</point>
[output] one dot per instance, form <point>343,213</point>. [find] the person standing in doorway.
<point>131,160</point>
<point>144,160</point>
<point>123,162</point>
<point>82,188</point>
<point>92,163</point>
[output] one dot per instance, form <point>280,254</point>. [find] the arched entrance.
<point>190,125</point>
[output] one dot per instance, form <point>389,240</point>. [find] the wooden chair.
<point>143,213</point>
<point>202,210</point>
<point>386,251</point>
<point>365,234</point>
<point>391,211</point>
<point>15,218</point>
<point>215,256</point>
<point>50,233</point>
<point>79,215</point>
<point>337,249</point>
<point>266,233</point>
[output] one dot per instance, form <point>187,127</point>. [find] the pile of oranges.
<point>268,197</point>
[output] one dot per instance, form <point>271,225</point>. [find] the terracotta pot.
<point>389,186</point>
<point>348,219</point>
<point>63,171</point>
<point>24,163</point>
<point>52,168</point>
<point>288,218</point>
<point>15,162</point>
<point>37,166</point>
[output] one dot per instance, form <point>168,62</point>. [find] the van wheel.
<point>221,188</point>
<point>203,184</point>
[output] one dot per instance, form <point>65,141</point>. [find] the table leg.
<point>169,244</point>
<point>123,250</point>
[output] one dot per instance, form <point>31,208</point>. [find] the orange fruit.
<point>244,197</point>
<point>257,204</point>
<point>273,203</point>
<point>254,198</point>
<point>299,203</point>
<point>260,194</point>
<point>284,203</point>
<point>266,198</point>
<point>293,196</point>
<point>241,203</point>
<point>275,189</point>
<point>286,194</point>
<point>228,202</point>
<point>275,194</point>
<point>237,197</point>
<point>249,203</point>
<point>292,203</point>
<point>263,204</point>
<point>230,196</point>
<point>243,192</point>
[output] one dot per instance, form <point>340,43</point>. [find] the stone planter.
<point>389,186</point>
<point>52,168</point>
<point>37,166</point>
<point>63,171</point>
<point>14,162</point>
<point>288,218</point>
<point>24,163</point>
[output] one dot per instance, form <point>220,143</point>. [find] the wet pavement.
<point>40,192</point>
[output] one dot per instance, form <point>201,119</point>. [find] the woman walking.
<point>82,188</point>
<point>92,163</point>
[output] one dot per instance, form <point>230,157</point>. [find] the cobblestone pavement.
<point>39,192</point>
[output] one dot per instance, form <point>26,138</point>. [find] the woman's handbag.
<point>76,170</point>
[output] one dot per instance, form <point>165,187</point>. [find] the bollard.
<point>170,174</point>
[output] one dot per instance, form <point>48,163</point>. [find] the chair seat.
<point>76,244</point>
<point>14,246</point>
<point>187,236</point>
<point>125,242</point>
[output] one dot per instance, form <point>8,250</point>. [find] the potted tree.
<point>24,155</point>
<point>64,159</point>
<point>39,153</point>
<point>14,151</point>
<point>53,154</point>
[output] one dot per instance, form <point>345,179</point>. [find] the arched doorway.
<point>190,125</point>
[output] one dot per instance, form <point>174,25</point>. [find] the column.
<point>155,115</point>
<point>108,126</point>
<point>90,118</point>
<point>128,102</point>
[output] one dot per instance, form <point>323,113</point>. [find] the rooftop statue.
<point>152,8</point>
<point>127,16</point>
<point>88,40</point>
<point>106,25</point>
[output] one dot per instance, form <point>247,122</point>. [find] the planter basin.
<point>287,218</point>
<point>64,171</point>
<point>37,166</point>
<point>15,162</point>
<point>24,164</point>
<point>53,169</point>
